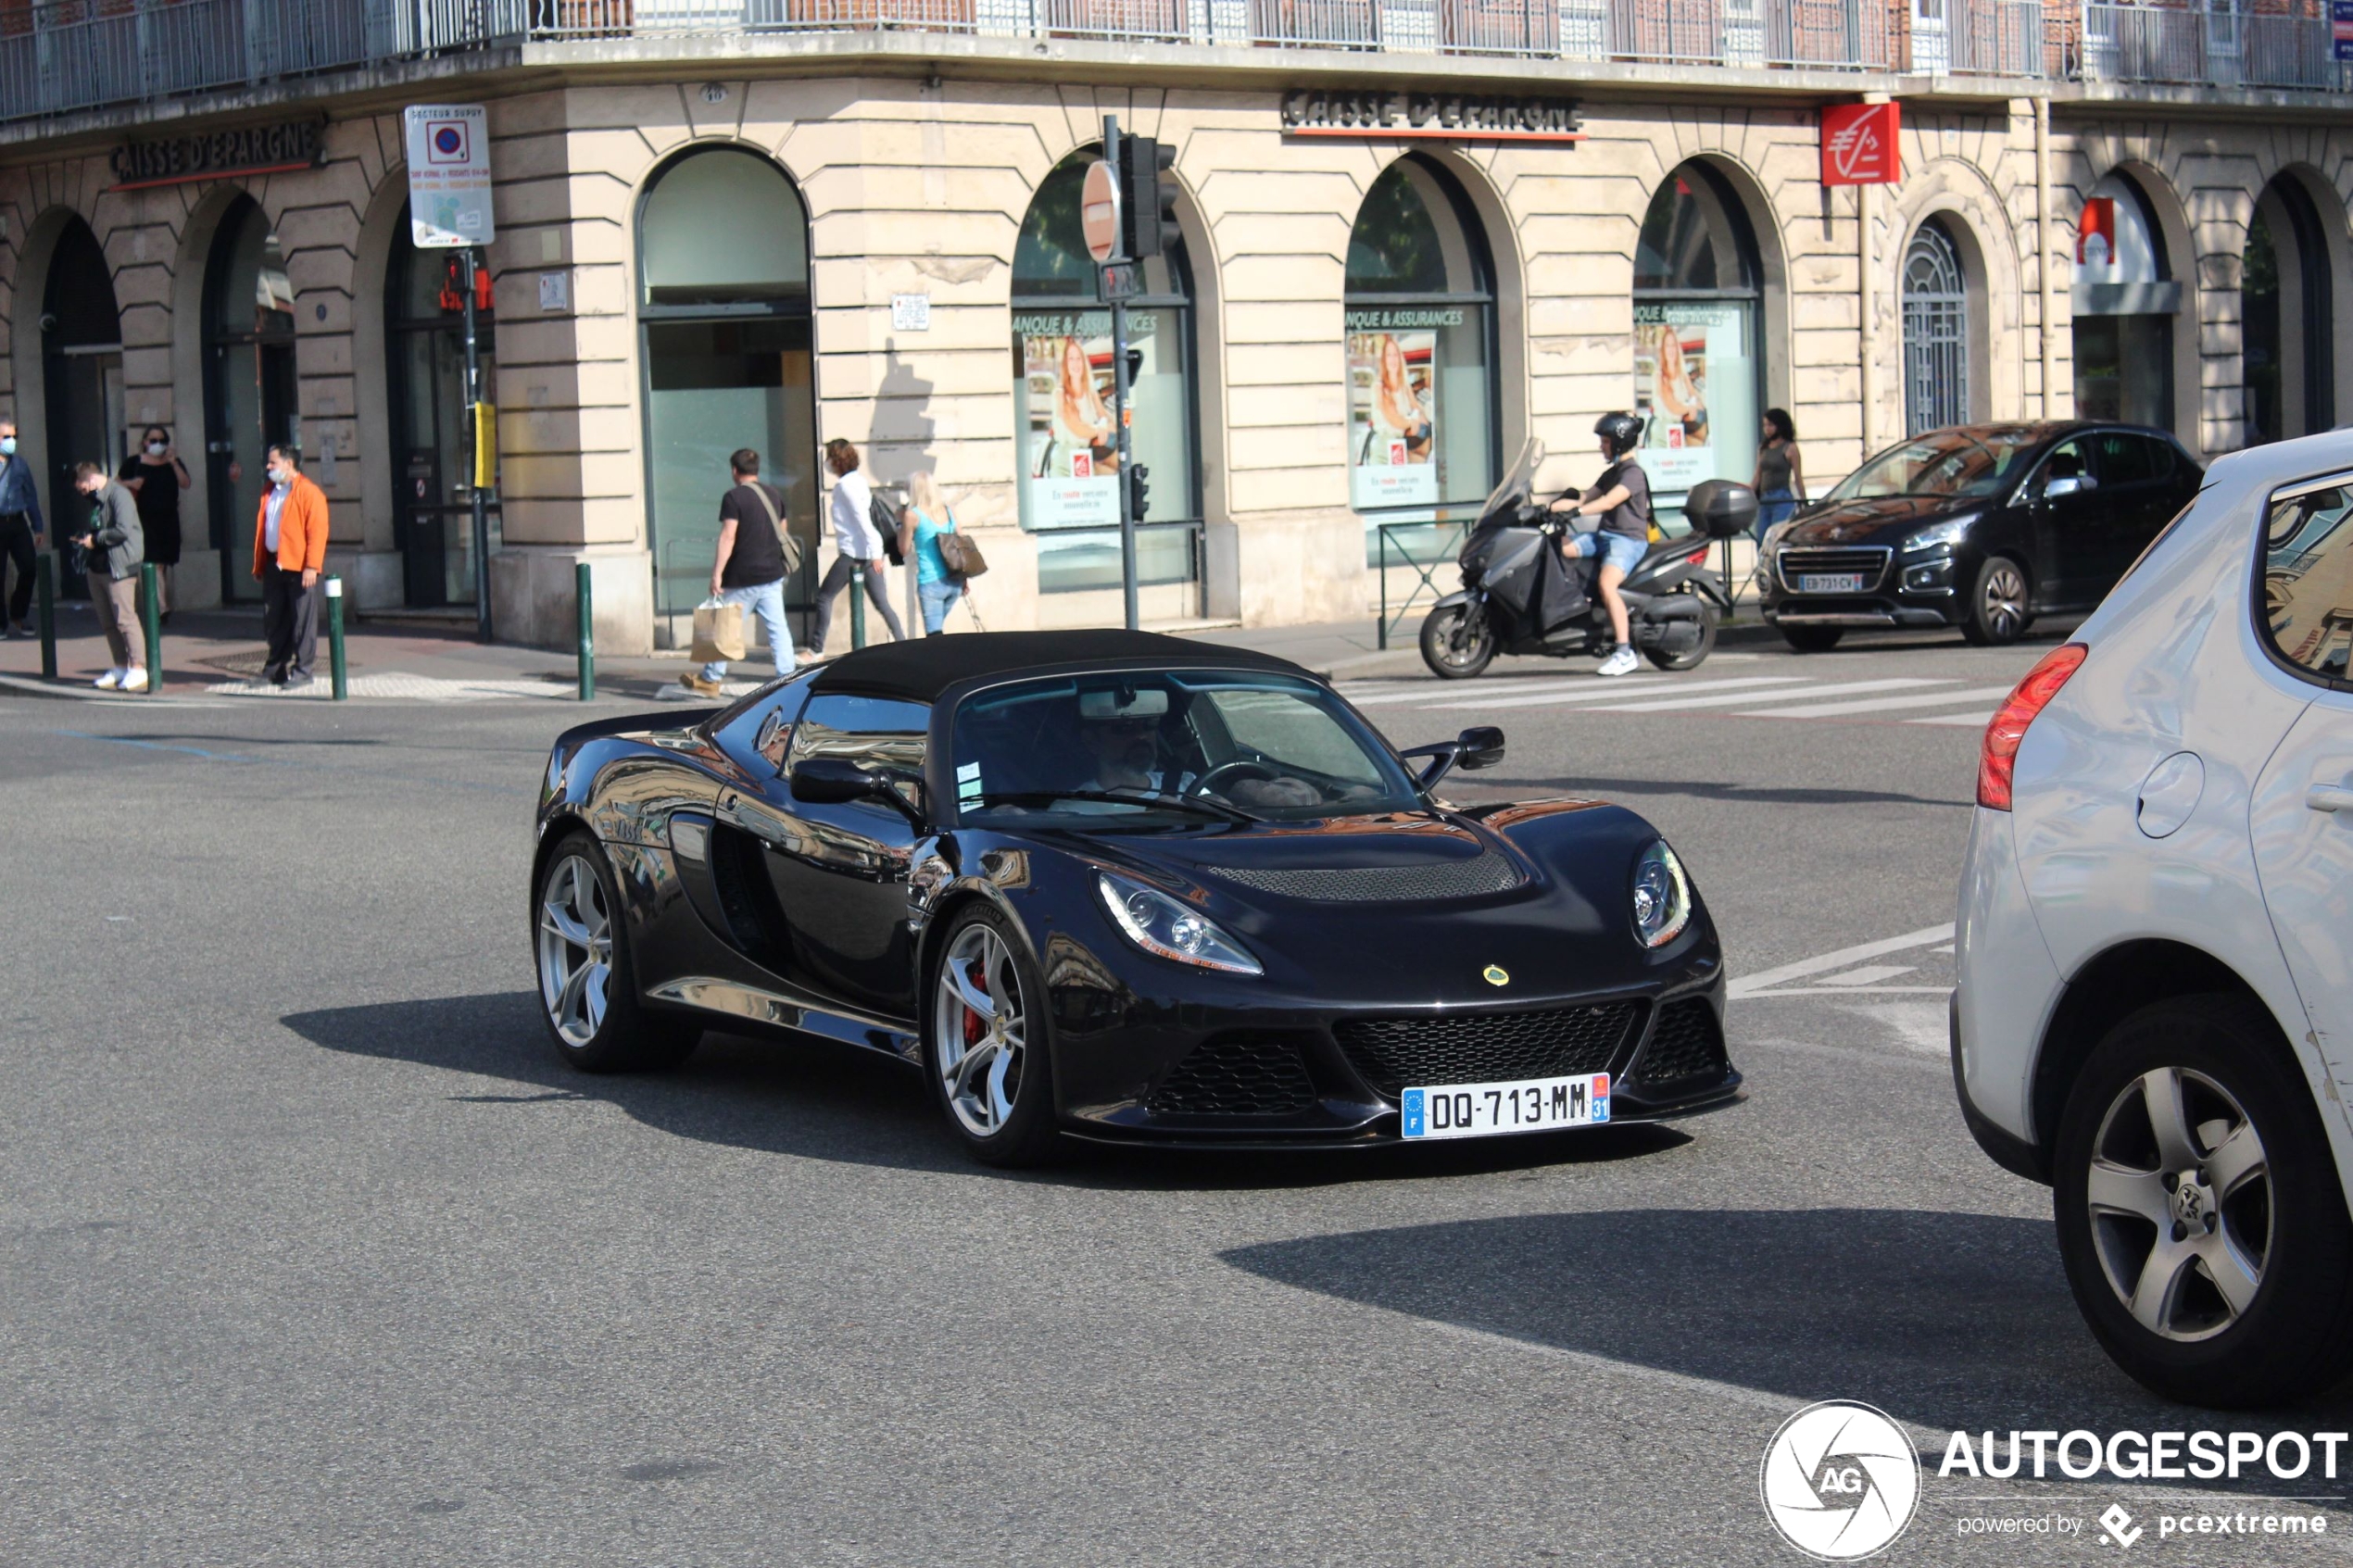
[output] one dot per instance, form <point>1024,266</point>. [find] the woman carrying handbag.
<point>944,559</point>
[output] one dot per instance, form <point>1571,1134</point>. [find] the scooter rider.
<point>1621,497</point>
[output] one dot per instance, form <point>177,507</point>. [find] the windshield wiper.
<point>1201,805</point>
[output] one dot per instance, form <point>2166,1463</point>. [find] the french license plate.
<point>1831,582</point>
<point>1530,1104</point>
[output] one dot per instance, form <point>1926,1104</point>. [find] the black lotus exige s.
<point>1123,888</point>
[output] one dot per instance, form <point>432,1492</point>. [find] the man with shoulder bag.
<point>756,553</point>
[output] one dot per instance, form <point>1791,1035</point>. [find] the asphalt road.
<point>309,1251</point>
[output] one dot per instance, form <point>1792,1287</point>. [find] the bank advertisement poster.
<point>1693,392</point>
<point>1392,406</point>
<point>1069,444</point>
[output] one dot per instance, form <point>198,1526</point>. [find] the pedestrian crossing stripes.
<point>1895,698</point>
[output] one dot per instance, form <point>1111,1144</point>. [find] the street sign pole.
<point>481,502</point>
<point>1119,404</point>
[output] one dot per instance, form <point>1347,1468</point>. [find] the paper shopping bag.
<point>719,632</point>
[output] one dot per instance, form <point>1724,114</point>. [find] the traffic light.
<point>1148,196</point>
<point>1136,476</point>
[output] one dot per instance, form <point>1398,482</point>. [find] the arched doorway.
<point>1423,435</point>
<point>1062,412</point>
<point>2287,308</point>
<point>1698,336</point>
<point>433,447</point>
<point>1936,331</point>
<point>2125,299</point>
<point>81,364</point>
<point>724,305</point>
<point>249,380</point>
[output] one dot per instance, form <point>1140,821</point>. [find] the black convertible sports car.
<point>1123,888</point>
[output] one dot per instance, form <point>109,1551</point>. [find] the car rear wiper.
<point>1200,804</point>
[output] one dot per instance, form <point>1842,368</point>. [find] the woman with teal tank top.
<point>920,526</point>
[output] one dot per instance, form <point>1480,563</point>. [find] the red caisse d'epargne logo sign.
<point>1859,144</point>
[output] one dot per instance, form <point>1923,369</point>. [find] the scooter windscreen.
<point>1504,502</point>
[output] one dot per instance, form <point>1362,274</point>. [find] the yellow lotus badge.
<point>1496,975</point>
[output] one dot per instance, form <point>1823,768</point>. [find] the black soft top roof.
<point>922,668</point>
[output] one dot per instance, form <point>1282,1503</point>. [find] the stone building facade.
<point>883,255</point>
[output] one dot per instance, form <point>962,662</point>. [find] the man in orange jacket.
<point>289,552</point>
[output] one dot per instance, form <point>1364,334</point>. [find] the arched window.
<point>249,378</point>
<point>723,302</point>
<point>1421,431</point>
<point>1062,395</point>
<point>81,363</point>
<point>1697,294</point>
<point>2125,298</point>
<point>1936,331</point>
<point>2290,314</point>
<point>432,432</point>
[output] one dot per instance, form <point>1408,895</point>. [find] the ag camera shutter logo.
<point>1840,1481</point>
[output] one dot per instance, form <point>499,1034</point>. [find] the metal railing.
<point>61,56</point>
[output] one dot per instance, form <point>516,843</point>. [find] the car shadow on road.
<point>1955,1322</point>
<point>819,1099</point>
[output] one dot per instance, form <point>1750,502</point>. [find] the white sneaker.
<point>1622,663</point>
<point>135,680</point>
<point>108,681</point>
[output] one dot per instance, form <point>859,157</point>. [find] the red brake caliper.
<point>972,1019</point>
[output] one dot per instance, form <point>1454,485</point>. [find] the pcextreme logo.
<point>1840,1481</point>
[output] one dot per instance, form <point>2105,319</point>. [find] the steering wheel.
<point>1240,767</point>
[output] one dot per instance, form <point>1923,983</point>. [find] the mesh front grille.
<point>1688,1042</point>
<point>1485,1047</point>
<point>1483,873</point>
<point>1869,560</point>
<point>1236,1075</point>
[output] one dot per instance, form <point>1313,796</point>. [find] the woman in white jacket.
<point>859,545</point>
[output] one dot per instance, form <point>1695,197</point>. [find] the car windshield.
<point>1945,462</point>
<point>1168,748</point>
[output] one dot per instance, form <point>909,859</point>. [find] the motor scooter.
<point>1521,596</point>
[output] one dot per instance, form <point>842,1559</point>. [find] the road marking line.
<point>1672,703</point>
<point>1838,991</point>
<point>1883,703</point>
<point>1845,958</point>
<point>1612,691</point>
<point>1423,690</point>
<point>1972,721</point>
<point>1870,973</point>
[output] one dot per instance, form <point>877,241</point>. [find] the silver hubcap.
<point>978,1031</point>
<point>575,949</point>
<point>2005,600</point>
<point>2180,1204</point>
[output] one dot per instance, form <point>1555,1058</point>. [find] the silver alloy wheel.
<point>2180,1203</point>
<point>979,1034</point>
<point>575,949</point>
<point>2002,603</point>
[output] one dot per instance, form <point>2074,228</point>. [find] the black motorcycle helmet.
<point>1623,432</point>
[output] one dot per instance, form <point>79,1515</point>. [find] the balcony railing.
<point>61,56</point>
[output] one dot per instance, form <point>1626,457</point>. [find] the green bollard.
<point>586,609</point>
<point>858,609</point>
<point>336,668</point>
<point>151,625</point>
<point>45,578</point>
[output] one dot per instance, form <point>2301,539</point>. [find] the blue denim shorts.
<point>1616,549</point>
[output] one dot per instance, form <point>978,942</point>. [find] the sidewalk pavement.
<point>215,655</point>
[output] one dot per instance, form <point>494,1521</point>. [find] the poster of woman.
<point>1392,412</point>
<point>1071,455</point>
<point>1681,351</point>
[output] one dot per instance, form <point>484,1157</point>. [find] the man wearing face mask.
<point>117,544</point>
<point>289,552</point>
<point>20,533</point>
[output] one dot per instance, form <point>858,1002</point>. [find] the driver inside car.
<point>1121,730</point>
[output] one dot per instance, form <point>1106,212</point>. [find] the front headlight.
<point>1940,536</point>
<point>1662,897</point>
<point>1168,929</point>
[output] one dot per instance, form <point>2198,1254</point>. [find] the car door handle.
<point>2329,798</point>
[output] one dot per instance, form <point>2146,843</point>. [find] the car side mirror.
<point>1481,746</point>
<point>836,781</point>
<point>2062,484</point>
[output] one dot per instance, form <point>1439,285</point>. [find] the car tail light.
<point>1999,755</point>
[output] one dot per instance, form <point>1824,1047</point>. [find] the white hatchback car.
<point>2154,1014</point>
